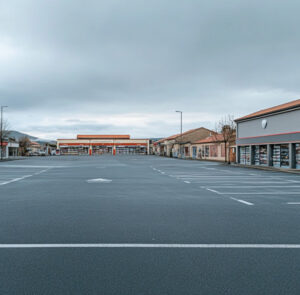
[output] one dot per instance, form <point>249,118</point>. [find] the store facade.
<point>10,149</point>
<point>102,144</point>
<point>270,137</point>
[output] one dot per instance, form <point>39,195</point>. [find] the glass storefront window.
<point>245,155</point>
<point>206,151</point>
<point>297,154</point>
<point>276,156</point>
<point>256,155</point>
<point>194,152</point>
<point>263,156</point>
<point>284,156</point>
<point>280,155</point>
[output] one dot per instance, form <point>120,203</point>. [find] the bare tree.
<point>225,132</point>
<point>24,143</point>
<point>4,134</point>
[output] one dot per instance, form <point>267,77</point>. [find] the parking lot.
<point>252,187</point>
<point>147,225</point>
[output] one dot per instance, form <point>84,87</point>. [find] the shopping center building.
<point>102,144</point>
<point>270,137</point>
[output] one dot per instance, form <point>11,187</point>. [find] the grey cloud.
<point>121,56</point>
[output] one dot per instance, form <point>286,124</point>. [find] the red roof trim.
<point>281,107</point>
<point>102,144</point>
<point>103,136</point>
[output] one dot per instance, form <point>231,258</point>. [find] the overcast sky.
<point>115,66</point>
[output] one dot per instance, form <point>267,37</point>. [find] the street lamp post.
<point>180,131</point>
<point>1,131</point>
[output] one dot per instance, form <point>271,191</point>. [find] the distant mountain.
<point>18,135</point>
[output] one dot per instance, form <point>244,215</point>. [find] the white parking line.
<point>261,193</point>
<point>242,201</point>
<point>233,182</point>
<point>293,203</point>
<point>15,180</point>
<point>255,187</point>
<point>136,245</point>
<point>40,172</point>
<point>98,180</point>
<point>31,166</point>
<point>211,190</point>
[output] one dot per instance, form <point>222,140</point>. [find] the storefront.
<point>103,144</point>
<point>9,149</point>
<point>281,155</point>
<point>245,155</point>
<point>270,137</point>
<point>297,154</point>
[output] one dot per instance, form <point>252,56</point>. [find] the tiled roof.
<point>102,136</point>
<point>213,138</point>
<point>175,136</point>
<point>34,143</point>
<point>285,106</point>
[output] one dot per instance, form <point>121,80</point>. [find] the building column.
<point>237,154</point>
<point>292,156</point>
<point>252,154</point>
<point>148,147</point>
<point>269,155</point>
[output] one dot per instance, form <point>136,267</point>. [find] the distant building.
<point>270,137</point>
<point>179,145</point>
<point>103,144</point>
<point>10,148</point>
<point>34,148</point>
<point>213,148</point>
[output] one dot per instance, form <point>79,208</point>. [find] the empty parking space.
<point>147,225</point>
<point>253,186</point>
<point>13,173</point>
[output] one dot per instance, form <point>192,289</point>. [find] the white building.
<point>10,149</point>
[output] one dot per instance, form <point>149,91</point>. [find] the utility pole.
<point>180,131</point>
<point>1,131</point>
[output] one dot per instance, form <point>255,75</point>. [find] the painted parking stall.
<point>236,183</point>
<point>111,221</point>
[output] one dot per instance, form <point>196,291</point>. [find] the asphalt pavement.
<point>147,225</point>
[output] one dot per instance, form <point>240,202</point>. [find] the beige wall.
<point>219,156</point>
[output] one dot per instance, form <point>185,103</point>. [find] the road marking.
<point>31,166</point>
<point>255,187</point>
<point>40,172</point>
<point>233,182</point>
<point>211,190</point>
<point>266,193</point>
<point>15,180</point>
<point>96,180</point>
<point>242,201</point>
<point>187,181</point>
<point>136,245</point>
<point>293,203</point>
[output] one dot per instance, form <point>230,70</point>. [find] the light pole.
<point>180,131</point>
<point>1,131</point>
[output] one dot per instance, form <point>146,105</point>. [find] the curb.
<point>293,171</point>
